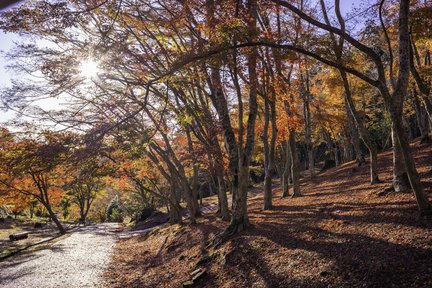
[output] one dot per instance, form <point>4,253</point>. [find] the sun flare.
<point>89,68</point>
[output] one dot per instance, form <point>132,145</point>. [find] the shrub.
<point>114,212</point>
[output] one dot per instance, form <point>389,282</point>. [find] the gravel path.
<point>77,260</point>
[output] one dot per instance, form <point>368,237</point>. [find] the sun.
<point>89,68</point>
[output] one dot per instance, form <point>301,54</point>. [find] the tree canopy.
<point>169,99</point>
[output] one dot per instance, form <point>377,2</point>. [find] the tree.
<point>182,86</point>
<point>86,167</point>
<point>33,167</point>
<point>393,99</point>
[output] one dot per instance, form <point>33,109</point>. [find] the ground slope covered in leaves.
<point>339,234</point>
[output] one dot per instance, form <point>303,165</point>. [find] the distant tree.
<point>86,169</point>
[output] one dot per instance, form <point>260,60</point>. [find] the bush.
<point>114,212</point>
<point>116,215</point>
<point>256,174</point>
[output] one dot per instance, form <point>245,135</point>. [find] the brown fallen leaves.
<point>339,234</point>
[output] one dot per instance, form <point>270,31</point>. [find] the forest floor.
<point>339,234</point>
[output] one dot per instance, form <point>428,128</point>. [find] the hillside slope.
<point>339,234</point>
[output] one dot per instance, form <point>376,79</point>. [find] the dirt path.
<point>77,260</point>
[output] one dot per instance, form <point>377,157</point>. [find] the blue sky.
<point>6,44</point>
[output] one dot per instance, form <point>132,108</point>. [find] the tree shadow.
<point>356,259</point>
<point>402,213</point>
<point>10,270</point>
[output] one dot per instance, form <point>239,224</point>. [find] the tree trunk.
<point>223,200</point>
<point>332,147</point>
<point>267,170</point>
<point>364,133</point>
<point>220,103</point>
<point>86,211</point>
<point>174,211</point>
<point>267,189</point>
<point>269,154</point>
<point>395,103</point>
<point>423,85</point>
<point>175,166</point>
<point>422,119</point>
<point>174,214</point>
<point>358,120</point>
<point>194,189</point>
<point>295,169</point>
<point>347,148</point>
<point>53,216</point>
<point>239,219</point>
<point>308,133</point>
<point>400,177</point>
<point>287,171</point>
<point>422,201</point>
<point>221,188</point>
<point>355,137</point>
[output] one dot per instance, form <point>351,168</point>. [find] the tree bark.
<point>332,146</point>
<point>355,137</point>
<point>287,170</point>
<point>173,201</point>
<point>422,118</point>
<point>174,211</point>
<point>358,120</point>
<point>423,85</point>
<point>53,216</point>
<point>195,168</point>
<point>239,219</point>
<point>400,178</point>
<point>381,83</point>
<point>223,200</point>
<point>395,101</point>
<point>364,133</point>
<point>221,105</point>
<point>270,115</point>
<point>308,130</point>
<point>295,166</point>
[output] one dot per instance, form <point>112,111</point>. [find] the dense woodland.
<point>161,103</point>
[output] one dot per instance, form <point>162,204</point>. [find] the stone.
<point>194,277</point>
<point>18,236</point>
<point>198,274</point>
<point>188,283</point>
